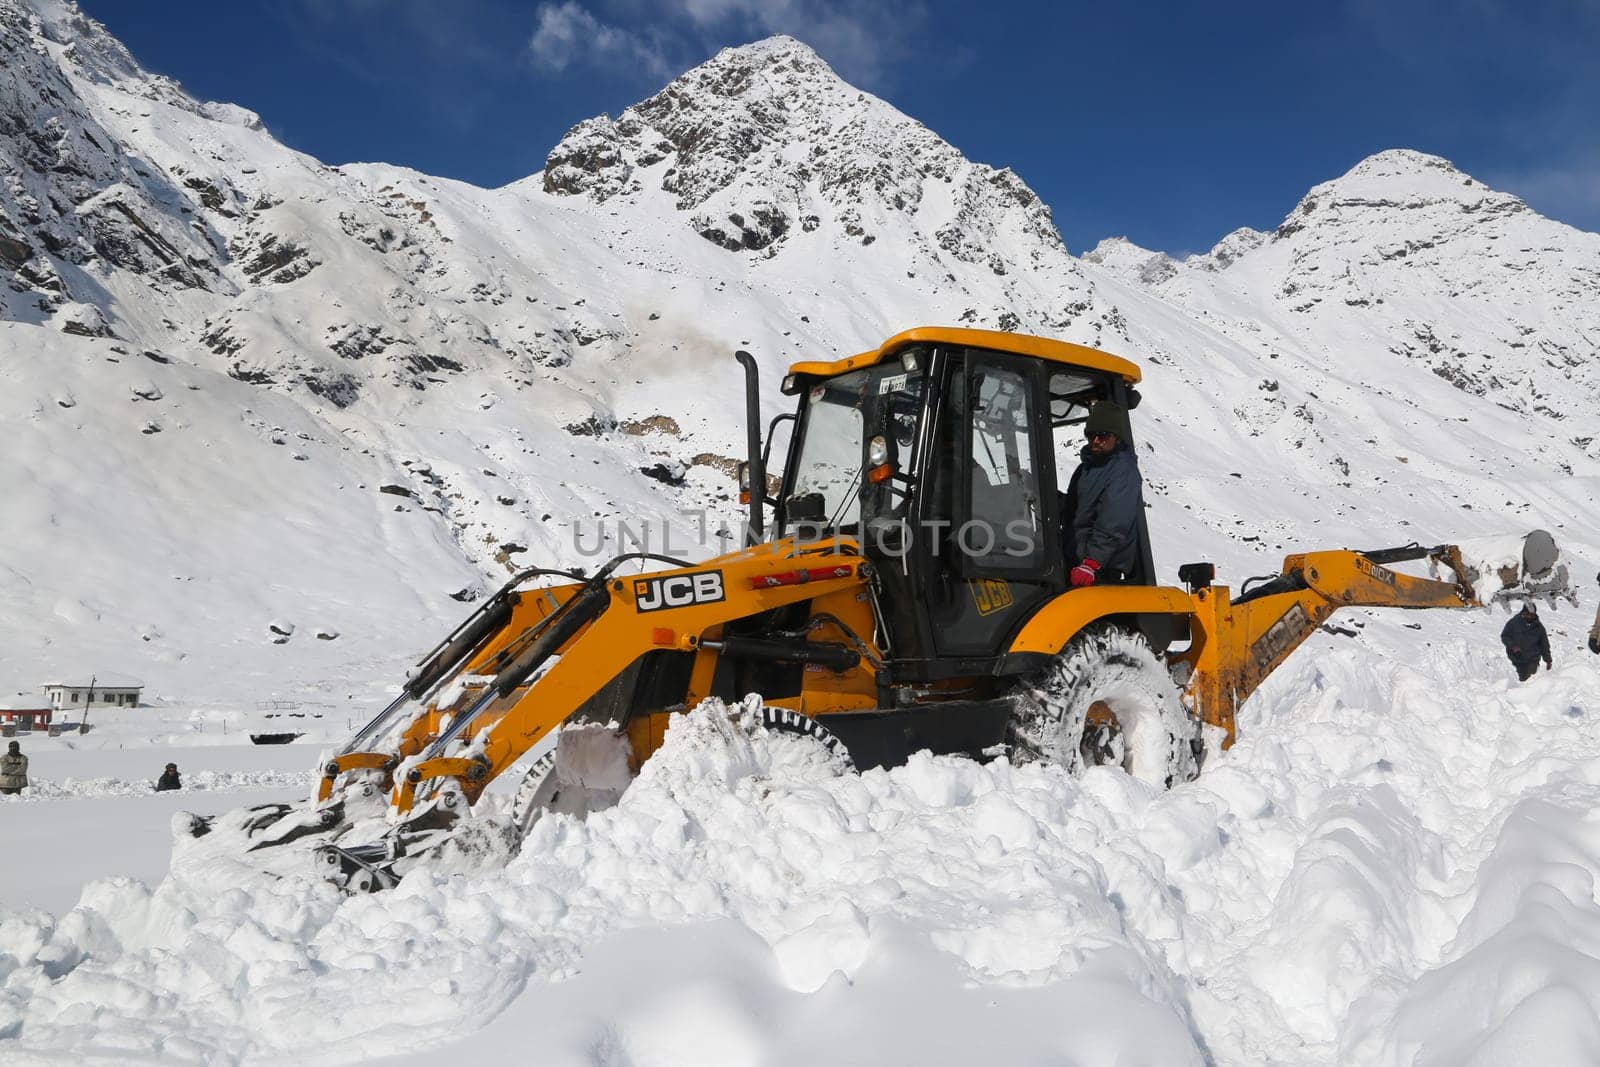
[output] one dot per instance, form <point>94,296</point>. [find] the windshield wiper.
<point>844,502</point>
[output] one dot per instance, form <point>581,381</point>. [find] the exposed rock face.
<point>71,193</point>
<point>765,140</point>
<point>1126,258</point>
<point>589,160</point>
<point>1228,250</point>
<point>187,227</point>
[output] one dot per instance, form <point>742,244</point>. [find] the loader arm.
<point>477,648</point>
<point>545,675</point>
<point>1237,642</point>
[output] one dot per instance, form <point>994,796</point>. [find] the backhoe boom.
<point>1239,641</point>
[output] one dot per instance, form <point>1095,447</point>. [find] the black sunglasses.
<point>1096,435</point>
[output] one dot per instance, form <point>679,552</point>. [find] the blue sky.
<point>1171,123</point>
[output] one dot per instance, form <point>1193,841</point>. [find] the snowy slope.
<point>1315,898</point>
<point>474,347</point>
<point>243,389</point>
<point>1408,255</point>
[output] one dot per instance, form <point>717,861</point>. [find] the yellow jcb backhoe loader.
<point>909,592</point>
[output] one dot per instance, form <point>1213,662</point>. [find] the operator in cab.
<point>1100,516</point>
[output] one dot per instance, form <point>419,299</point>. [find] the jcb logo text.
<point>678,590</point>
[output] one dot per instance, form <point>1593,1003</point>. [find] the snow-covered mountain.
<point>246,388</point>
<point>1408,254</point>
<point>268,424</point>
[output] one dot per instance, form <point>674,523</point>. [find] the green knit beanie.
<point>1106,417</point>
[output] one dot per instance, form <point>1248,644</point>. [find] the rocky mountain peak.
<point>1129,260</point>
<point>1408,253</point>
<point>1112,249</point>
<point>765,140</point>
<point>90,51</point>
<point>1228,250</point>
<point>779,50</point>
<point>709,120</point>
<point>1399,180</point>
<point>88,45</point>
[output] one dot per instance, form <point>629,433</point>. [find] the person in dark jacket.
<point>1526,642</point>
<point>1100,518</point>
<point>169,779</point>
<point>13,770</point>
<point>1594,631</point>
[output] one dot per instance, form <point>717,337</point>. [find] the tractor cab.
<point>945,454</point>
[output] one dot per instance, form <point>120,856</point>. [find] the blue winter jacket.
<point>1103,507</point>
<point>1525,639</point>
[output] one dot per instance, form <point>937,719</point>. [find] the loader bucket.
<point>1508,571</point>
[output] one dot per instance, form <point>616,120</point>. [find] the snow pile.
<point>725,823</point>
<point>1489,556</point>
<point>198,781</point>
<point>1520,976</point>
<point>1313,898</point>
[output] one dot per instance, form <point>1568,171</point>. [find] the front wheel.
<point>587,771</point>
<point>1106,700</point>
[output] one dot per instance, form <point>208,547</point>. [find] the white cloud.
<point>859,38</point>
<point>566,34</point>
<point>1568,192</point>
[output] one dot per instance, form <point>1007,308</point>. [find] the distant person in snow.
<point>1594,631</point>
<point>1526,642</point>
<point>13,770</point>
<point>169,779</point>
<point>1100,516</point>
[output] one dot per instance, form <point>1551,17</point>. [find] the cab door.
<point>989,511</point>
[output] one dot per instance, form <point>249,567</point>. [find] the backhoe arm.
<point>1237,642</point>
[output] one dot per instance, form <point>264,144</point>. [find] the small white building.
<point>98,691</point>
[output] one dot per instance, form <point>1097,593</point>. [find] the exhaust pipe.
<point>755,529</point>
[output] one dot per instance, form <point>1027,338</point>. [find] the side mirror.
<point>806,508</point>
<point>1197,576</point>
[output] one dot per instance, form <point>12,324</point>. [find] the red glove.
<point>1083,574</point>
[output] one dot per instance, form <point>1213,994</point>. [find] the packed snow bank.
<point>984,863</point>
<point>71,842</point>
<point>195,782</point>
<point>711,993</point>
<point>1521,980</point>
<point>66,767</point>
<point>1394,865</point>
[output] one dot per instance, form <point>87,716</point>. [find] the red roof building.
<point>28,718</point>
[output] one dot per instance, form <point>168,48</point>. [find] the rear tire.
<point>1106,700</point>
